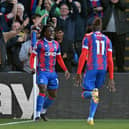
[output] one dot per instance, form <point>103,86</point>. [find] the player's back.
<point>97,51</point>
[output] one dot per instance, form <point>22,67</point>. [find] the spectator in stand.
<point>27,6</point>
<point>4,37</point>
<point>116,27</point>
<point>66,21</point>
<point>24,55</point>
<point>4,26</point>
<point>36,20</point>
<point>95,8</point>
<point>21,15</point>
<point>59,36</point>
<point>8,9</point>
<point>80,24</point>
<point>8,6</point>
<point>26,49</point>
<point>3,54</point>
<point>14,45</point>
<point>44,7</point>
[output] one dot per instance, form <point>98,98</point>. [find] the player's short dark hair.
<point>97,24</point>
<point>45,28</point>
<point>94,24</point>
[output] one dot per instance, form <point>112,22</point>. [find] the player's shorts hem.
<point>83,89</point>
<point>52,89</point>
<point>42,84</point>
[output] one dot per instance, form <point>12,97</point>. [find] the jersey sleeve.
<point>35,50</point>
<point>32,56</point>
<point>58,49</point>
<point>59,58</point>
<point>109,45</point>
<point>85,43</point>
<point>84,55</point>
<point>110,59</point>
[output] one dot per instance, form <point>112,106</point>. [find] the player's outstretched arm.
<point>62,65</point>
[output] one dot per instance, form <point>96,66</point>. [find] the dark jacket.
<point>13,49</point>
<point>68,26</point>
<point>3,53</point>
<point>81,21</point>
<point>121,23</point>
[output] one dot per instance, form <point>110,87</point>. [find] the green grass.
<point>68,124</point>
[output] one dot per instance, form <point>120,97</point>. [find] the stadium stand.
<point>127,43</point>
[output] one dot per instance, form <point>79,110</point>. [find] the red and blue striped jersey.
<point>46,54</point>
<point>97,45</point>
<point>94,4</point>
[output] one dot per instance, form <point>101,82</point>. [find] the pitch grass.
<point>67,124</point>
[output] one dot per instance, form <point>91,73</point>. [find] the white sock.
<point>43,111</point>
<point>37,114</point>
<point>90,118</point>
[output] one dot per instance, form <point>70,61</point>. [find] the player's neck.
<point>48,40</point>
<point>97,31</point>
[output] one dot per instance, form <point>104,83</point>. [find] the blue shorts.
<point>48,78</point>
<point>93,79</point>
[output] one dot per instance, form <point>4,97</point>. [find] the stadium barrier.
<point>16,98</point>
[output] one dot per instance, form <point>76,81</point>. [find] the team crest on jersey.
<point>46,45</point>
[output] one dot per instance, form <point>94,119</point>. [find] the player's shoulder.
<point>40,41</point>
<point>106,37</point>
<point>88,34</point>
<point>56,42</point>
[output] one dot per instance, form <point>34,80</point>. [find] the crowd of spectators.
<point>69,17</point>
